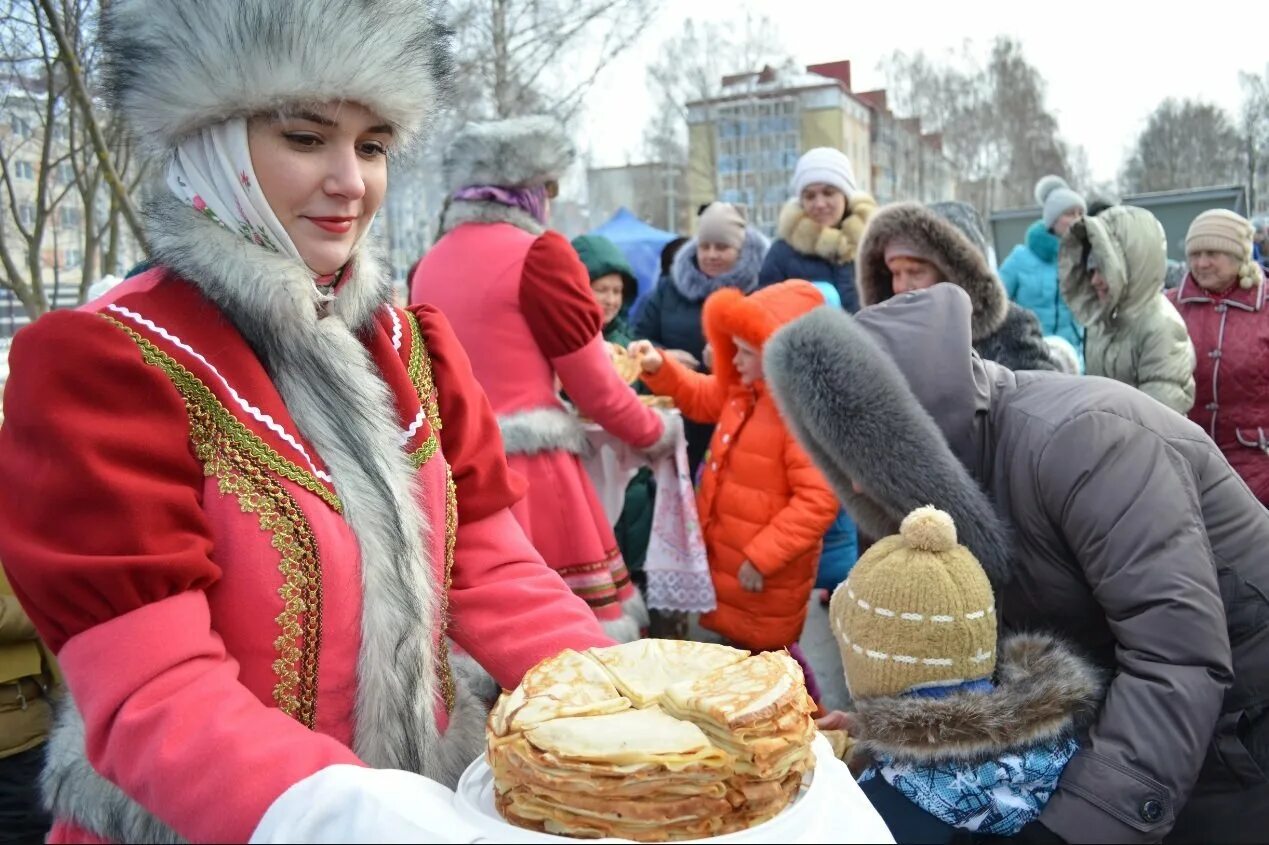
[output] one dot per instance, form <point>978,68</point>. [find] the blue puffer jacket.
<point>1030,274</point>
<point>807,250</point>
<point>784,263</point>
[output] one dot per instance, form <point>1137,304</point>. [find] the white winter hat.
<point>824,166</point>
<point>1056,198</point>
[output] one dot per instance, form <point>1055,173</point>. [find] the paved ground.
<point>820,649</point>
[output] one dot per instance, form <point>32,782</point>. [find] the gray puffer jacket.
<point>1098,514</point>
<point>1135,336</point>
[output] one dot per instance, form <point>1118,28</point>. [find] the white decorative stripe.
<point>255,412</point>
<point>909,659</point>
<point>396,327</point>
<point>914,617</point>
<point>413,429</point>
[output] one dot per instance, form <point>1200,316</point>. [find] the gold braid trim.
<point>242,465</point>
<point>419,368</point>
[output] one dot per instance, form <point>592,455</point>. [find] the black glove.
<point>1032,834</point>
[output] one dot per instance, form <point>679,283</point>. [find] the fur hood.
<point>836,245</point>
<point>754,317</point>
<point>515,153</point>
<point>958,259</point>
<point>886,401</point>
<point>173,68</point>
<point>695,285</point>
<point>1131,249</point>
<point>457,212</point>
<point>1044,691</point>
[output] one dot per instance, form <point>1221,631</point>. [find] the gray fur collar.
<point>458,212</point>
<point>960,262</point>
<point>695,285</point>
<point>343,408</point>
<point>835,244</point>
<point>1044,691</point>
<point>851,408</point>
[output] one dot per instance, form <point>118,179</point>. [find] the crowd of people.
<point>287,537</point>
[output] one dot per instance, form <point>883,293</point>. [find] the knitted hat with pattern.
<point>1221,230</point>
<point>917,611</point>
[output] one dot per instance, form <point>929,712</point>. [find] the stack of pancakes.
<point>653,740</point>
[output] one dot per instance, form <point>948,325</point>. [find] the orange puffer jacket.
<point>761,499</point>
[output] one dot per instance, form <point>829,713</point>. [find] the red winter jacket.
<point>1230,333</point>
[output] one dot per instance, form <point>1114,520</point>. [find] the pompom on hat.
<point>917,612</point>
<point>1221,230</point>
<point>173,68</point>
<point>1056,198</point>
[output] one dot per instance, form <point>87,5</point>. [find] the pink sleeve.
<point>166,720</point>
<point>508,609</point>
<point>599,393</point>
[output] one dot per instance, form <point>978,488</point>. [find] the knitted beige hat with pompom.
<point>916,611</point>
<point>1221,230</point>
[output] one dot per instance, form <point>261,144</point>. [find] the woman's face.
<point>824,204</point>
<point>609,292</point>
<point>1063,224</point>
<point>324,172</point>
<point>1214,271</point>
<point>1100,285</point>
<point>716,259</point>
<point>909,274</point>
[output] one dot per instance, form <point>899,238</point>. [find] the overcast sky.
<point>1107,64</point>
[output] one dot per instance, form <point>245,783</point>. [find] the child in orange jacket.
<point>763,505</point>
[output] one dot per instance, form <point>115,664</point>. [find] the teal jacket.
<point>1030,274</point>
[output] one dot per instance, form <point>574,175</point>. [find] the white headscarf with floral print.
<point>212,172</point>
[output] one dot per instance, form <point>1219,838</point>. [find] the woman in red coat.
<point>244,498</point>
<point>1222,300</point>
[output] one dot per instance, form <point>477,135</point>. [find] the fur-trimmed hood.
<point>1131,250</point>
<point>516,153</point>
<point>894,400</point>
<point>695,285</point>
<point>1044,692</point>
<point>835,244</point>
<point>755,317</point>
<point>173,68</point>
<point>957,258</point>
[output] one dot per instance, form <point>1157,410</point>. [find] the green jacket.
<point>1135,336</point>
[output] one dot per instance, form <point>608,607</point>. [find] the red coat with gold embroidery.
<point>182,548</point>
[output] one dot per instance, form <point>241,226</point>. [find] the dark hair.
<point>668,252</point>
<point>1097,206</point>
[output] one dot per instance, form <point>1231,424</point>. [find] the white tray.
<point>830,808</point>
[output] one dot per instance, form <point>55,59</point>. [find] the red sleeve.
<point>100,493</point>
<point>556,299</point>
<point>470,437</point>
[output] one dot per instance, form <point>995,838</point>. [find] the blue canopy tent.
<point>640,243</point>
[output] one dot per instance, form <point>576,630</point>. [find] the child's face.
<point>748,362</point>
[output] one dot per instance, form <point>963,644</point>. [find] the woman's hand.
<point>648,356</point>
<point>750,578</point>
<point>687,359</point>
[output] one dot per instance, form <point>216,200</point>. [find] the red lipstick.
<point>335,225</point>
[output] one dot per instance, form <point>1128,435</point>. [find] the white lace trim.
<point>255,412</point>
<point>690,592</point>
<point>414,426</point>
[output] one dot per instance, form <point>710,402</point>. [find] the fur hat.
<point>173,67</point>
<point>519,152</point>
<point>1221,230</point>
<point>721,223</point>
<point>916,612</point>
<point>1056,198</point>
<point>827,166</point>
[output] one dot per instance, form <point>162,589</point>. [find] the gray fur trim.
<point>851,408</point>
<point>623,630</point>
<point>518,152</point>
<point>475,692</point>
<point>1019,342</point>
<point>74,792</point>
<point>341,406</point>
<point>635,608</point>
<point>695,285</point>
<point>173,67</point>
<point>542,430</point>
<point>1044,692</point>
<point>458,212</point>
<point>671,427</point>
<point>957,258</point>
